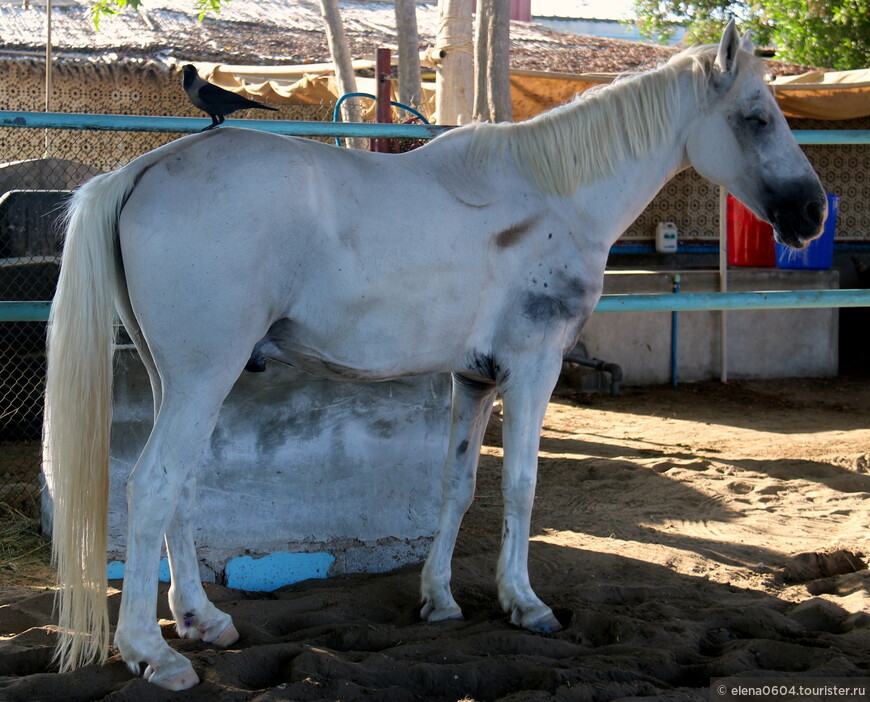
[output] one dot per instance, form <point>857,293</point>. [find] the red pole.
<point>383,73</point>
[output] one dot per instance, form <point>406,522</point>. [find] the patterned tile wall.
<point>127,89</point>
<point>688,200</point>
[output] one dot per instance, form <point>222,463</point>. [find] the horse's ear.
<point>729,44</point>
<point>746,42</point>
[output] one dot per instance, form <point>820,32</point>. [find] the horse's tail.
<point>78,407</point>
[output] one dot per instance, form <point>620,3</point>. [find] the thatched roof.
<point>287,32</point>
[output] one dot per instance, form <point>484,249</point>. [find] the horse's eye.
<point>757,120</point>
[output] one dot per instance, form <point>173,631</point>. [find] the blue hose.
<point>336,111</point>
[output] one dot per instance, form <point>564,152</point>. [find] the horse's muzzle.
<point>798,216</point>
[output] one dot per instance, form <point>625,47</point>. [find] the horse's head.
<point>743,143</point>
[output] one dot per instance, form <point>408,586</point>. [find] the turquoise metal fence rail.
<point>11,311</point>
<point>779,299</point>
<point>661,302</point>
<point>180,125</point>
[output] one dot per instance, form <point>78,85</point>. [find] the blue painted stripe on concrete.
<point>115,570</point>
<point>276,570</point>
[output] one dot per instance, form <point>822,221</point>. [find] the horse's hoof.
<point>173,678</point>
<point>221,634</point>
<point>431,613</point>
<point>540,620</point>
<point>226,638</point>
<point>548,624</point>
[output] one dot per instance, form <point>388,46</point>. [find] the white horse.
<point>484,260</point>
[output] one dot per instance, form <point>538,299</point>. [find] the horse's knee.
<point>519,493</point>
<point>458,492</point>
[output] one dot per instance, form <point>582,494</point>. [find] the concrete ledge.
<point>264,573</point>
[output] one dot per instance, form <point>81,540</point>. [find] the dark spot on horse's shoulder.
<point>545,308</point>
<point>462,448</point>
<point>575,287</point>
<point>513,234</point>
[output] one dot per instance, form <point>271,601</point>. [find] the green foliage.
<point>102,8</point>
<point>813,32</point>
<point>705,18</point>
<point>829,34</point>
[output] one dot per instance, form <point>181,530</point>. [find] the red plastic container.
<point>750,240</point>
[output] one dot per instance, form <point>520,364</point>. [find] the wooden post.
<point>383,75</point>
<point>409,53</point>
<point>492,86</point>
<point>49,67</point>
<point>340,53</point>
<point>454,80</point>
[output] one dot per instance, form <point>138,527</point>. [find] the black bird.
<point>213,100</point>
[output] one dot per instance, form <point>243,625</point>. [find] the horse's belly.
<point>352,354</point>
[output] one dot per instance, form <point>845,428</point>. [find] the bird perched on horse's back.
<point>214,100</point>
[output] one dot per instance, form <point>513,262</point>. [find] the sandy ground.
<point>679,534</point>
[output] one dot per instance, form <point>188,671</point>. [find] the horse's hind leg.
<point>472,403</point>
<point>195,616</point>
<point>155,490</point>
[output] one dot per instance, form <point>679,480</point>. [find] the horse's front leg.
<point>472,404</point>
<point>525,395</point>
<point>195,617</point>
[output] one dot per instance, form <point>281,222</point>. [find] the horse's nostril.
<point>814,212</point>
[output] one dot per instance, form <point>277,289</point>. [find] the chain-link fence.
<point>38,170</point>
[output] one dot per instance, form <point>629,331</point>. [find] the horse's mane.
<point>584,140</point>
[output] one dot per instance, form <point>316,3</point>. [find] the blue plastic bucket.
<point>819,255</point>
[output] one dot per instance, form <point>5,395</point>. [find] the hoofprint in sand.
<point>679,534</point>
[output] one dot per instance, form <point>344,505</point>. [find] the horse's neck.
<point>615,201</point>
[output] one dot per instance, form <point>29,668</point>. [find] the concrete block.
<point>303,466</point>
